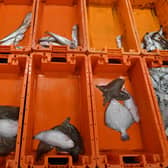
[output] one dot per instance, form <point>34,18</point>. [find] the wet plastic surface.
<point>13,78</point>
<point>141,149</point>
<point>58,87</point>
<point>155,14</point>
<point>12,13</point>
<point>58,17</point>
<point>105,21</point>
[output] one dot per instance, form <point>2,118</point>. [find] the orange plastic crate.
<point>59,17</point>
<point>146,146</point>
<point>58,87</point>
<point>148,15</point>
<point>13,78</point>
<point>12,13</point>
<point>107,19</point>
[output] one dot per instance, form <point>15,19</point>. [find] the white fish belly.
<point>117,116</point>
<point>130,105</point>
<point>57,138</point>
<point>8,128</point>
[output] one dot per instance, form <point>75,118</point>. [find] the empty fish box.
<point>148,16</point>
<point>151,62</point>
<point>105,20</point>
<point>58,87</point>
<point>13,78</point>
<point>59,17</point>
<point>146,146</point>
<point>12,13</point>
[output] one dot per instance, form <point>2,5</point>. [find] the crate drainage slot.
<point>57,161</point>
<point>58,59</point>
<point>114,61</point>
<point>131,160</point>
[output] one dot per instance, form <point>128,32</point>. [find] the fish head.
<point>27,19</point>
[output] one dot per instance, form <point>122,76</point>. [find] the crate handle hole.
<point>58,59</point>
<point>114,61</point>
<point>131,160</point>
<point>58,161</point>
<point>165,62</point>
<point>3,60</point>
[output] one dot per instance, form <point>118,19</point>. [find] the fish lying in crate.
<point>155,40</point>
<point>18,35</point>
<point>57,40</point>
<point>64,138</point>
<point>119,116</point>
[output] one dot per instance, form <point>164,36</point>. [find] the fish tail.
<point>100,88</point>
<point>124,136</point>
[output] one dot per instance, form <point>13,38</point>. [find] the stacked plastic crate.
<point>50,84</point>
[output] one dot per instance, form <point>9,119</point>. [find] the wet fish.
<point>47,44</point>
<point>60,39</point>
<point>155,40</point>
<point>7,145</point>
<point>113,90</point>
<point>118,118</point>
<point>131,106</point>
<point>16,34</point>
<point>74,43</point>
<point>64,137</point>
<point>119,41</point>
<point>159,77</point>
<point>149,45</point>
<point>8,128</point>
<point>47,38</point>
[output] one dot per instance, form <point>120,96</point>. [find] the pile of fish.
<point>8,129</point>
<point>55,39</point>
<point>155,40</point>
<point>18,35</point>
<point>64,138</point>
<point>119,116</point>
<point>159,77</point>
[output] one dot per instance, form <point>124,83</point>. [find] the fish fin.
<point>42,149</point>
<point>67,120</point>
<point>124,136</point>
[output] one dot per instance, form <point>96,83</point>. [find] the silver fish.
<point>75,35</point>
<point>47,38</point>
<point>149,45</point>
<point>47,44</point>
<point>14,40</point>
<point>159,78</point>
<point>118,118</point>
<point>131,106</point>
<point>155,40</point>
<point>60,39</point>
<point>22,29</point>
<point>119,41</point>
